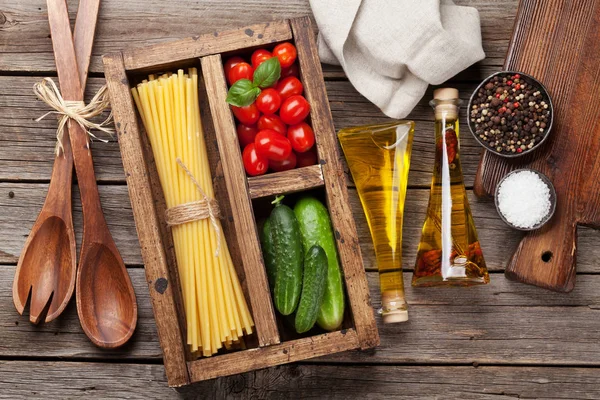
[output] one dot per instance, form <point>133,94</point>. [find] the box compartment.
<point>240,199</point>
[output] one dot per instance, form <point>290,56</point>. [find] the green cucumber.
<point>315,226</point>
<point>266,243</point>
<point>289,256</point>
<point>313,288</point>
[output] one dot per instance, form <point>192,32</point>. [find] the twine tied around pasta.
<point>196,210</point>
<point>47,91</point>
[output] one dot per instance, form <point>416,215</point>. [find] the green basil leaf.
<point>267,73</point>
<point>242,93</point>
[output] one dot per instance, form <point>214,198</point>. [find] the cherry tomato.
<point>306,159</point>
<point>288,163</point>
<point>246,115</point>
<point>294,109</point>
<point>272,122</point>
<point>286,52</point>
<point>230,63</point>
<point>268,101</point>
<point>254,164</point>
<point>289,86</point>
<point>246,134</point>
<point>272,145</point>
<point>290,71</point>
<point>301,137</point>
<point>242,70</point>
<point>259,56</point>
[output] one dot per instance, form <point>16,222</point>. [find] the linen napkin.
<point>391,50</point>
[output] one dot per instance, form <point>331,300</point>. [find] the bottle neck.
<point>445,110</point>
<point>446,122</point>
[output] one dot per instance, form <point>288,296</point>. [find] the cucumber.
<point>315,226</point>
<point>313,288</point>
<point>289,256</point>
<point>266,243</point>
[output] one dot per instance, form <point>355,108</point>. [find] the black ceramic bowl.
<point>530,81</point>
<point>552,199</point>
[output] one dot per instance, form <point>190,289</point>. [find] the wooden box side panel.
<point>162,291</point>
<point>335,184</point>
<point>293,180</point>
<point>241,205</point>
<point>284,353</point>
<point>164,55</point>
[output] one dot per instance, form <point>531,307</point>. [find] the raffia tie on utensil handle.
<point>196,210</point>
<point>47,91</point>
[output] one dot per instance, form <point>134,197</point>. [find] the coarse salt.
<point>524,199</point>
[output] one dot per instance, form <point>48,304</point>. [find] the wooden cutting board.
<point>558,42</point>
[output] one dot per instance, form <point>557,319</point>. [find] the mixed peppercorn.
<point>510,114</point>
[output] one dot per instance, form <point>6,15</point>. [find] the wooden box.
<point>239,198</point>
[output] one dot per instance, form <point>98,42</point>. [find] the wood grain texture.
<point>106,301</point>
<point>241,205</point>
<point>514,324</point>
<point>503,323</point>
<point>338,203</point>
<point>569,69</point>
<point>149,234</point>
<point>34,141</point>
<point>135,381</point>
<point>52,238</point>
<point>20,202</point>
<point>83,36</point>
<point>24,44</point>
<point>165,55</point>
<point>290,181</point>
<point>401,382</point>
<point>282,353</point>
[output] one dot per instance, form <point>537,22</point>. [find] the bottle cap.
<point>447,103</point>
<point>445,94</point>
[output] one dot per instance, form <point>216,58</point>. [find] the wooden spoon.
<point>47,265</point>
<point>106,302</point>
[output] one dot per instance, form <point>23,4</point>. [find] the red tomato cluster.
<point>273,131</point>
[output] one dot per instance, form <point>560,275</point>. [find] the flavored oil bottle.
<point>379,159</point>
<point>449,253</point>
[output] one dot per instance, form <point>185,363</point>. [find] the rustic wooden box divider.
<point>235,194</point>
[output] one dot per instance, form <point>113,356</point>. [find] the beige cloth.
<point>391,50</point>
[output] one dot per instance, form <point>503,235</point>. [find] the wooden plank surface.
<point>20,203</point>
<point>25,47</point>
<point>135,381</point>
<point>503,323</point>
<point>34,141</point>
<point>528,342</point>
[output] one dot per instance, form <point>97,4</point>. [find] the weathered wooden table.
<point>503,340</point>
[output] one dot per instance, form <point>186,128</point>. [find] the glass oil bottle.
<point>379,158</point>
<point>449,253</point>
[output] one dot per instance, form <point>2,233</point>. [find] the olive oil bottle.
<point>449,253</point>
<point>379,158</point>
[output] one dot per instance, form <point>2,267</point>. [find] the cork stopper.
<point>446,103</point>
<point>445,94</point>
<point>394,307</point>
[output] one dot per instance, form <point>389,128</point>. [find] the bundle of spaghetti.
<point>216,311</point>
